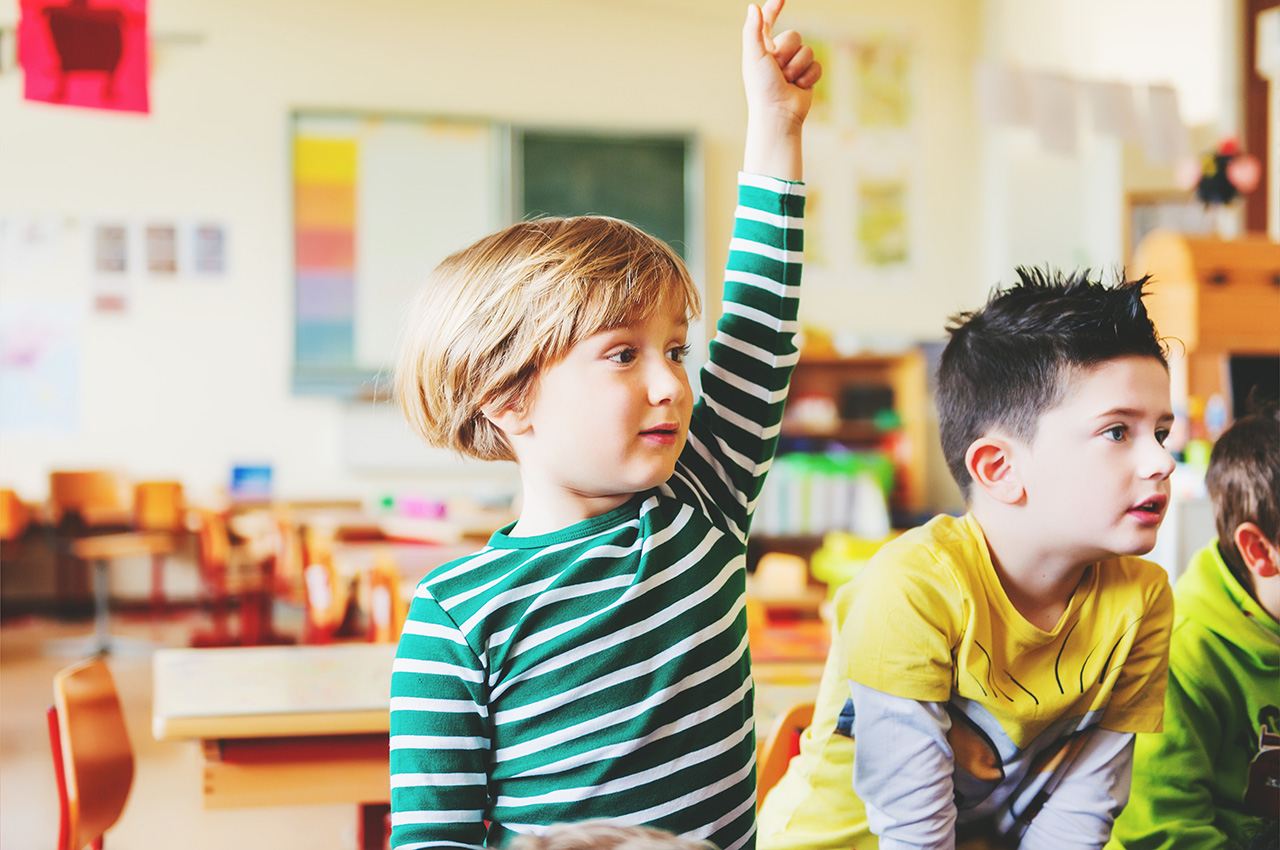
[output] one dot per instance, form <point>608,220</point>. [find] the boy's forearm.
<point>773,147</point>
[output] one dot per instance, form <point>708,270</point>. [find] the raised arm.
<point>736,422</point>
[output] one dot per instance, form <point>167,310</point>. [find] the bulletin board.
<point>380,199</point>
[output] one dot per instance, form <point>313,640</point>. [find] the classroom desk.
<point>293,725</point>
<point>280,725</point>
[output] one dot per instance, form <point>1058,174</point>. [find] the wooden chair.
<point>290,584</point>
<point>97,498</point>
<point>82,503</point>
<point>780,746</point>
<point>387,606</point>
<point>92,756</point>
<point>15,516</point>
<point>328,599</point>
<point>159,507</point>
<point>230,575</point>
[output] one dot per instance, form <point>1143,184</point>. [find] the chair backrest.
<point>89,491</point>
<point>213,542</point>
<point>327,595</point>
<point>387,607</point>
<point>14,515</point>
<point>290,560</point>
<point>159,506</point>
<point>96,756</point>
<point>780,746</point>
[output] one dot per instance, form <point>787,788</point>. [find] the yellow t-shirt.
<point>928,620</point>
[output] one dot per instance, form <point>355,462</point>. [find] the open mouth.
<point>1151,510</point>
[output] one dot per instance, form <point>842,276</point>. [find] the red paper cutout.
<point>78,54</point>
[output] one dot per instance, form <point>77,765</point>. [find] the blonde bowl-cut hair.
<point>491,317</point>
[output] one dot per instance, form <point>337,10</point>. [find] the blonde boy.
<point>591,662</point>
<point>1206,781</point>
<point>990,670</point>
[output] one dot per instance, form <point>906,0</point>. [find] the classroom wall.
<point>193,378</point>
<point>1041,207</point>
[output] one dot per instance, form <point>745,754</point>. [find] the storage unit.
<point>1217,302</point>
<point>864,403</point>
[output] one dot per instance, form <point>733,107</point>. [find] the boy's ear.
<point>990,464</point>
<point>1260,554</point>
<point>509,420</point>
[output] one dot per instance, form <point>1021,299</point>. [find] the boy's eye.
<point>1162,434</point>
<point>1115,433</point>
<point>679,353</point>
<point>625,355</point>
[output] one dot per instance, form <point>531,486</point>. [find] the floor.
<point>164,807</point>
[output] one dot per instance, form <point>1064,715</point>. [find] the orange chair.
<point>290,585</point>
<point>328,597</point>
<point>387,606</point>
<point>160,507</point>
<point>15,516</point>
<point>96,498</point>
<point>230,575</point>
<point>82,503</point>
<point>780,746</point>
<point>92,756</point>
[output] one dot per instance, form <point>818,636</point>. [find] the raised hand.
<point>779,73</point>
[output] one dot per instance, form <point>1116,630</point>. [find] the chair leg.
<point>374,826</point>
<point>59,772</point>
<point>251,619</point>
<point>219,633</point>
<point>159,602</point>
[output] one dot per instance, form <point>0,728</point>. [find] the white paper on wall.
<point>1113,110</point>
<point>1166,137</point>
<point>1054,112</point>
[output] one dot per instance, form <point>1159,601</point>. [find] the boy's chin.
<point>1136,549</point>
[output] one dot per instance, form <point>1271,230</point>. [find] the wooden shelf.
<point>836,378</point>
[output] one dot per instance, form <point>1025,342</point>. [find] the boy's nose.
<point>1159,463</point>
<point>667,382</point>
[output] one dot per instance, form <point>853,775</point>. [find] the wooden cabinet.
<point>1214,300</point>
<point>873,402</point>
<point>861,404</point>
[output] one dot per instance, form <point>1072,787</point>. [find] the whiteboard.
<point>381,199</point>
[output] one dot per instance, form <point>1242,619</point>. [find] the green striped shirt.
<point>602,671</point>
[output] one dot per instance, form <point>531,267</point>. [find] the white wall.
<point>192,379</point>
<point>1044,207</point>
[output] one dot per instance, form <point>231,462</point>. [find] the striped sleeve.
<point>439,733</point>
<point>744,385</point>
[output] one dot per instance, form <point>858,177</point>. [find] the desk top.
<point>266,691</point>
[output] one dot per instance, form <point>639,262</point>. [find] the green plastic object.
<point>841,557</point>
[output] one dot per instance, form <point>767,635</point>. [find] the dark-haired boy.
<point>990,671</point>
<point>1201,784</point>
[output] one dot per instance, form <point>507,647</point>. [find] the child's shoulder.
<point>940,555</point>
<point>944,541</point>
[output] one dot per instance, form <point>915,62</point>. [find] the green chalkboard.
<point>640,179</point>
